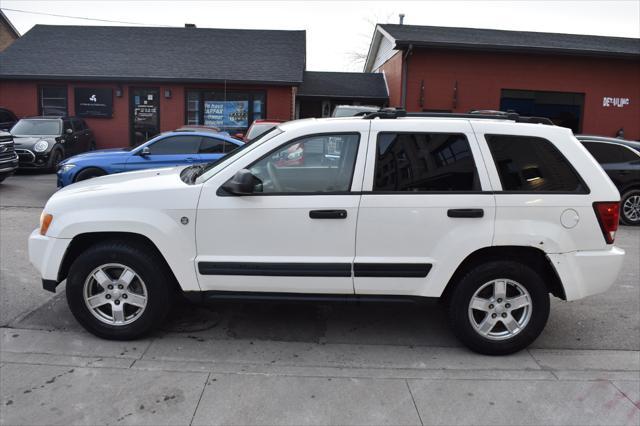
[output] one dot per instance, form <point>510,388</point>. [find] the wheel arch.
<point>81,242</point>
<point>529,256</point>
<point>75,175</point>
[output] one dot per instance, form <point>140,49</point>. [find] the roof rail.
<point>390,113</point>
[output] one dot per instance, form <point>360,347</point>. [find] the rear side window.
<point>216,146</point>
<point>176,145</point>
<point>608,153</point>
<point>532,164</point>
<point>415,162</point>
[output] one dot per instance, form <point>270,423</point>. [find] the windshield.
<point>26,127</point>
<point>202,174</point>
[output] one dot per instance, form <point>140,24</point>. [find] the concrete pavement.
<point>188,378</point>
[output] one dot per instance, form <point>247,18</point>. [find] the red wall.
<point>482,75</point>
<point>22,98</point>
<point>393,75</point>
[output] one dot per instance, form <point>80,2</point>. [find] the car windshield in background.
<point>258,129</point>
<point>36,127</point>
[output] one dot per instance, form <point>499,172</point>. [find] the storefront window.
<point>53,100</point>
<point>230,111</point>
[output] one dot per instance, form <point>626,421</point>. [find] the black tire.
<point>151,270</point>
<point>55,157</point>
<point>89,173</point>
<point>472,281</point>
<point>630,197</point>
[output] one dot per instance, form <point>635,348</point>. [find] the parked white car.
<point>491,214</point>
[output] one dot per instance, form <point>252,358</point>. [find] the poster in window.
<point>226,114</point>
<point>91,102</point>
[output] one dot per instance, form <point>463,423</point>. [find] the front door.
<point>426,205</point>
<point>145,114</point>
<point>168,151</point>
<point>296,232</point>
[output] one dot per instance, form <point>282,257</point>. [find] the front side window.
<point>77,124</point>
<point>216,146</point>
<point>53,100</point>
<point>609,153</point>
<point>314,164</point>
<point>176,145</point>
<point>532,164</point>
<point>417,162</point>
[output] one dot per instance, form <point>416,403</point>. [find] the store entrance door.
<point>145,114</point>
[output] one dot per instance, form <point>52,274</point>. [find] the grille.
<point>7,151</point>
<point>25,155</point>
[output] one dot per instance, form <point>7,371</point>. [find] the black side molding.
<point>465,212</point>
<point>401,270</point>
<point>276,269</point>
<point>50,285</point>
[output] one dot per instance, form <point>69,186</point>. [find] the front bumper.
<point>8,166</point>
<point>32,160</point>
<point>584,273</point>
<point>46,254</point>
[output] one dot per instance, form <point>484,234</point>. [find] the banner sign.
<point>226,114</point>
<point>94,102</point>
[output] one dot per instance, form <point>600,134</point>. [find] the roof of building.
<point>353,85</point>
<point>10,27</point>
<point>158,54</point>
<point>501,40</point>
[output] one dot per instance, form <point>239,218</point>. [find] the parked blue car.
<point>166,150</point>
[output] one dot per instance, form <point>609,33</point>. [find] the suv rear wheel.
<point>499,307</point>
<point>117,291</point>
<point>630,207</point>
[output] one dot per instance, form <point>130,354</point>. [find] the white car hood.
<point>153,188</point>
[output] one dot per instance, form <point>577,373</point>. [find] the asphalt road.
<point>606,321</point>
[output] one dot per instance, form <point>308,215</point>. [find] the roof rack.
<point>390,113</point>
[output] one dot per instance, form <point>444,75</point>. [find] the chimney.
<point>190,25</point>
<point>401,18</point>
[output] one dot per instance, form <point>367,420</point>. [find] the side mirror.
<point>69,131</point>
<point>145,151</point>
<point>242,183</point>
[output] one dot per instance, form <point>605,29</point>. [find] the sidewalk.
<point>71,377</point>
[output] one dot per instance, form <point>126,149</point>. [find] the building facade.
<point>587,83</point>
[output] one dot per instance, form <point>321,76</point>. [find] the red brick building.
<point>588,83</point>
<point>149,80</point>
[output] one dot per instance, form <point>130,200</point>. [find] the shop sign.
<point>226,114</point>
<point>614,102</point>
<point>91,102</point>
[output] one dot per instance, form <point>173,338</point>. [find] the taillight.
<point>608,214</point>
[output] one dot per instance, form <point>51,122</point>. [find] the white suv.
<point>490,213</point>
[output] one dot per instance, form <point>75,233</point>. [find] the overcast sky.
<point>338,29</point>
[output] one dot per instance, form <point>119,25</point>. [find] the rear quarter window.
<point>530,164</point>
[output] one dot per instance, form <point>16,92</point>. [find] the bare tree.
<point>356,58</point>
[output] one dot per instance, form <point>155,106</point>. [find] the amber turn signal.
<point>45,221</point>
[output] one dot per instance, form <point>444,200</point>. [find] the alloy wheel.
<point>631,208</point>
<point>500,309</point>
<point>115,294</point>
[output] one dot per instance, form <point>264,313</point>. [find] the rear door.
<point>426,205</point>
<point>170,151</point>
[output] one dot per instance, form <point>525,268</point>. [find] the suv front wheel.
<point>499,307</point>
<point>117,290</point>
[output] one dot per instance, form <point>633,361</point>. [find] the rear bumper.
<point>46,254</point>
<point>584,273</point>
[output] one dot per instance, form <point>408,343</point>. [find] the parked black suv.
<point>621,160</point>
<point>42,142</point>
<point>8,157</point>
<point>7,119</point>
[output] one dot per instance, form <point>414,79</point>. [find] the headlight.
<point>41,146</point>
<point>66,167</point>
